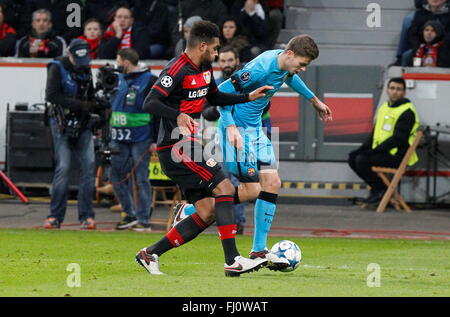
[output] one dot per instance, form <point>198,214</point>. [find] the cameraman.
<point>70,92</point>
<point>132,134</point>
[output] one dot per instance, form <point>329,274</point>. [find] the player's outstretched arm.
<point>296,83</point>
<point>325,113</point>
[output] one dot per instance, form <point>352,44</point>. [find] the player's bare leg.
<point>248,191</point>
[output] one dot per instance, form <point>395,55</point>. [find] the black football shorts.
<point>186,165</point>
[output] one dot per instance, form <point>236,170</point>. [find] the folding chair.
<point>163,187</point>
<point>392,194</point>
<point>162,192</point>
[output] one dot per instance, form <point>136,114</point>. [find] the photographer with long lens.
<point>70,93</point>
<point>132,134</point>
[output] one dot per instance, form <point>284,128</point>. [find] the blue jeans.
<point>403,45</point>
<point>83,149</point>
<point>130,155</point>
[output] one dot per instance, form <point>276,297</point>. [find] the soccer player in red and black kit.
<point>178,97</point>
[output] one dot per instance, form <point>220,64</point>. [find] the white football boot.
<point>150,262</point>
<point>244,265</point>
<point>275,263</point>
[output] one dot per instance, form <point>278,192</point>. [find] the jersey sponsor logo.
<point>211,162</point>
<point>245,76</point>
<point>207,76</point>
<point>198,93</point>
<point>251,171</point>
<point>166,81</point>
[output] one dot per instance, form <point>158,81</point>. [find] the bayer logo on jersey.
<point>289,250</point>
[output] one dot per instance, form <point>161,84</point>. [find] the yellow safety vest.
<point>155,170</point>
<point>386,120</point>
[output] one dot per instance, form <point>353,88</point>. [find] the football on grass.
<point>289,250</point>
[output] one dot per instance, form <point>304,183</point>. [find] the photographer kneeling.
<point>70,92</point>
<point>132,134</point>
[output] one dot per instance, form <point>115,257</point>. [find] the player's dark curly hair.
<point>202,31</point>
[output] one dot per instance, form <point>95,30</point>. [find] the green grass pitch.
<point>34,263</point>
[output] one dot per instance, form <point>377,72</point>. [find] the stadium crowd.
<point>425,35</point>
<point>156,29</point>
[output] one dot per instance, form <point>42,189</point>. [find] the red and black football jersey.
<point>184,87</point>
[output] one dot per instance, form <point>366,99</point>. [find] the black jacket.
<point>139,41</point>
<point>56,45</point>
<point>253,27</point>
<point>155,16</point>
<point>8,45</point>
<point>443,52</point>
<point>210,10</point>
<point>17,15</point>
<point>103,10</point>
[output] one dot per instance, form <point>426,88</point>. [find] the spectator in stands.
<point>154,14</point>
<point>103,10</point>
<point>187,27</point>
<point>209,10</point>
<point>92,33</point>
<point>275,16</point>
<point>7,36</point>
<point>17,14</point>
<point>58,9</point>
<point>407,20</point>
<point>124,32</point>
<point>434,51</point>
<point>252,17</point>
<point>228,62</point>
<point>231,35</point>
<point>434,10</point>
<point>42,41</point>
<point>395,128</point>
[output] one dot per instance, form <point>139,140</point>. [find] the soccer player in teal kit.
<point>247,152</point>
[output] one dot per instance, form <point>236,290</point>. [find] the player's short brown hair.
<point>303,45</point>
